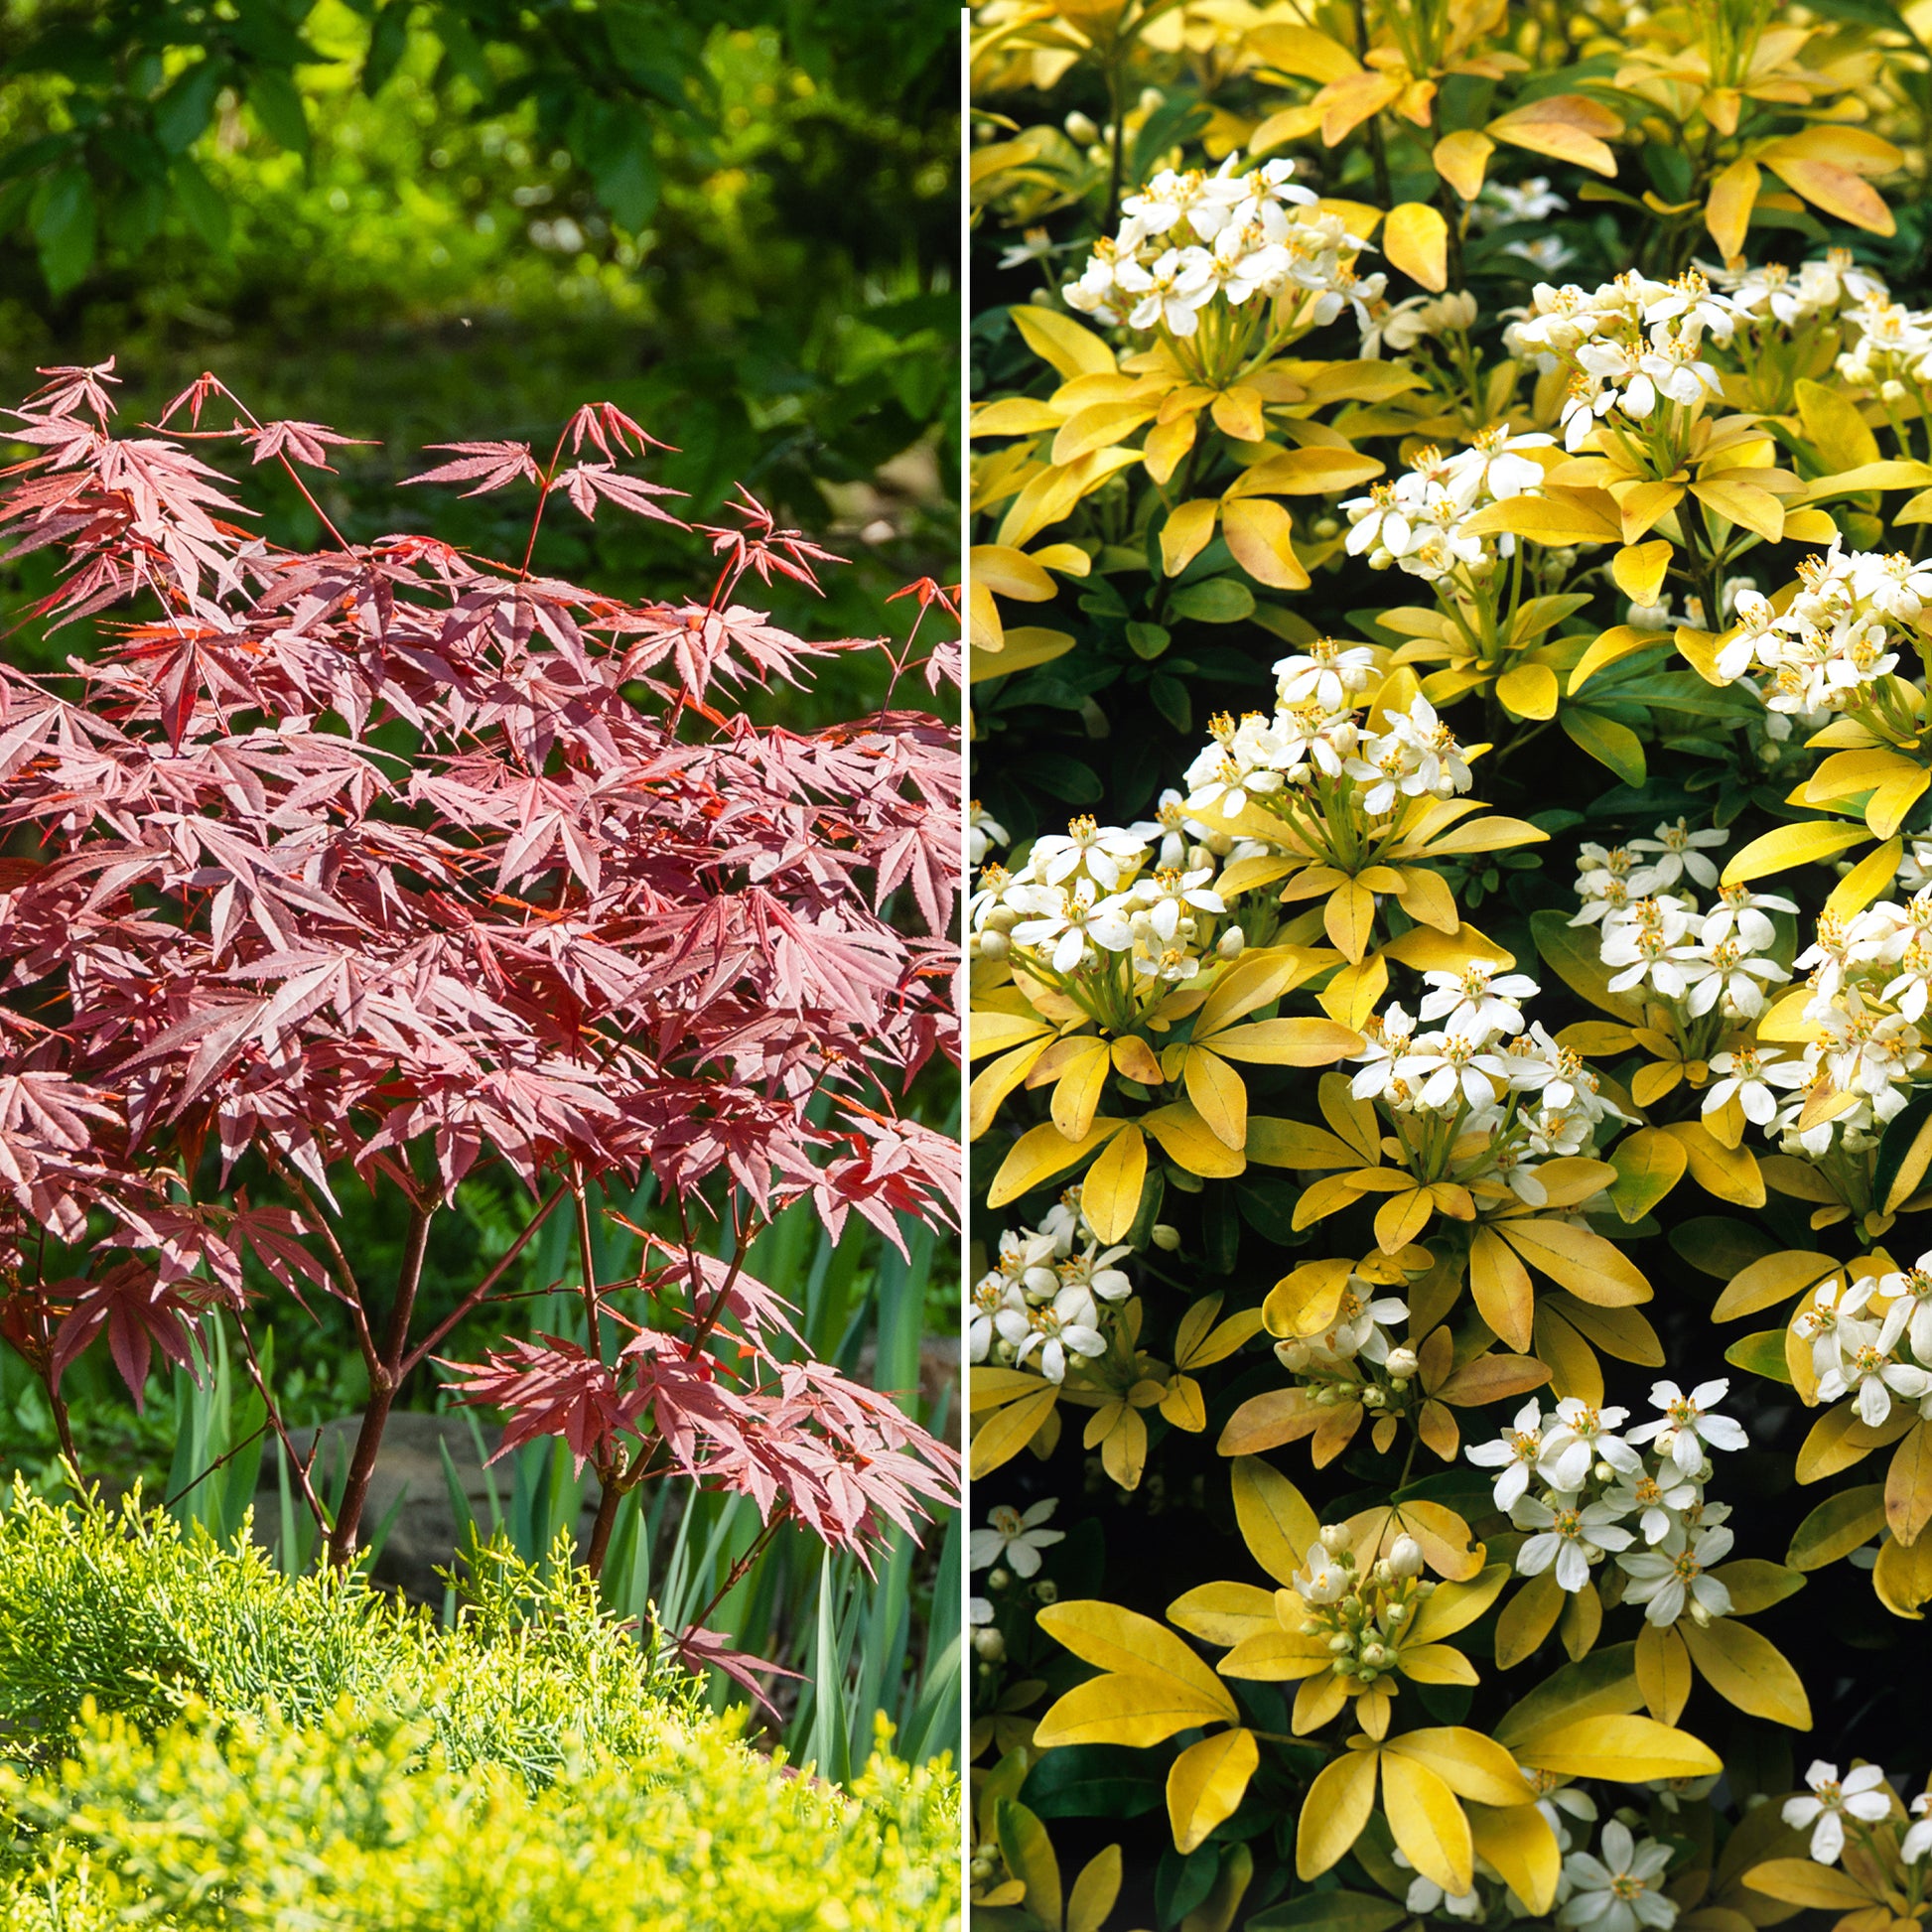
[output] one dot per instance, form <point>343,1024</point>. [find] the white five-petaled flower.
<point>1672,1576</point>
<point>1473,1003</point>
<point>1013,1539</point>
<point>1861,1794</point>
<point>1063,1327</point>
<point>1621,1891</point>
<point>1680,853</point>
<point>1515,1452</point>
<point>1918,1841</point>
<point>1580,1437</point>
<point>1569,1533</point>
<point>1686,1426</point>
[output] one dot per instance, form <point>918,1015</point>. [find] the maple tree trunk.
<point>606,1517</point>
<point>382,1394</point>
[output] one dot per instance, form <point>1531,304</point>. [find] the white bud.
<point>1334,1539</point>
<point>993,945</point>
<point>1405,1558</point>
<point>1402,1364</point>
<point>1080,130</point>
<point>1233,941</point>
<point>989,1645</point>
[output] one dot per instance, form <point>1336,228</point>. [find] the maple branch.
<point>610,1495</point>
<point>227,1456</point>
<point>347,1290</point>
<point>321,515</point>
<point>301,1464</point>
<point>414,1359</point>
<point>543,499</point>
<point>383,1384</point>
<point>734,1574</point>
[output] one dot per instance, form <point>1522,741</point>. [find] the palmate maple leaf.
<point>488,465</point>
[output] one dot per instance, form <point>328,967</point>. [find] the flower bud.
<point>989,1645</point>
<point>1891,389</point>
<point>1326,527</point>
<point>1001,1579</point>
<point>1604,1473</point>
<point>1002,919</point>
<point>1080,130</point>
<point>993,946</point>
<point>1374,1397</point>
<point>1166,1238</point>
<point>1046,1592</point>
<point>1376,1655</point>
<point>1402,1364</point>
<point>1339,1645</point>
<point>1334,1539</point>
<point>1397,1612</point>
<point>1233,940</point>
<point>1405,1558</point>
<point>1384,1576</point>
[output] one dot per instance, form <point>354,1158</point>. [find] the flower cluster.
<point>1836,637</point>
<point>1045,1300</point>
<point>1086,900</point>
<point>1421,522</point>
<point>1657,941</point>
<point>1239,233</point>
<point>1632,345</point>
<point>1594,1479</point>
<point>1871,1342</point>
<point>1482,1073</point>
<point>1362,1612</point>
<point>1789,298</point>
<point>1317,740</point>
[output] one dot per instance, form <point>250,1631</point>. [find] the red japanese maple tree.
<point>391,860</point>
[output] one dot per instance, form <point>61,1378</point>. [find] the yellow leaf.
<point>1743,503</point>
<point>1556,516</point>
<point>1731,1174</point>
<point>1908,1485</point>
<point>1120,1709</point>
<point>1094,1893</point>
<point>1520,1844</point>
<point>1110,1196</point>
<point>1529,691</point>
<point>1187,1141</point>
<point>1835,189</point>
<point>1306,1302</point>
<point>1590,1267</point>
<point>1642,507</point>
<point>1416,240</point>
<point>1350,919</point>
<point>1099,426</point>
<point>1237,413</point>
<point>1803,1881</point>
<point>1427,1823</point>
<point>1770,1279</point>
<point>1187,533</point>
<point>1461,159</point>
<point>1402,1218</point>
<point>1288,1042</point>
<point>1501,1286</point>
<point>1838,1526</point>
<point>1009,1429</point>
<point>1318,471</point>
<point>1217,1094</point>
<point>1063,342</point>
<point>1435,1663</point>
<point>1261,535</point>
<point>1021,649</point>
<point>1639,570</point>
<point>1663,1671</point>
<point>1648,1165</point>
<point>1334,1813</point>
<point>1727,212</point>
<point>1527,1619</point>
<point>1613,646</point>
<point>1041,1152</point>
<point>1078,1068</point>
<point>1834,427</point>
<point>1565,127</point>
<point>1115,1639</point>
<point>1225,1614</point>
<point>1294,1143</point>
<point>1207,1784</point>
<point>1625,1749</point>
<point>1454,1606</point>
<point>1277,1525</point>
<point>1472,1765</point>
<point>992,1084</point>
<point>1303,52</point>
<point>1902,1577</point>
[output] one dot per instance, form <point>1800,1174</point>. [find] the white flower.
<point>1621,1891</point>
<point>1320,1579</point>
<point>1681,851</point>
<point>1910,1313</point>
<point>992,1293</point>
<point>1861,1795</point>
<point>1580,1438</point>
<point>1918,1841</point>
<point>1687,1428</point>
<point>1751,1079</point>
<point>1477,1005</point>
<point>1515,1452</point>
<point>984,831</point>
<point>1652,1499</point>
<point>1871,1377</point>
<point>1445,1064</point>
<point>1570,1532</point>
<point>1013,1539</point>
<point>1664,1578</point>
<point>1065,1325</point>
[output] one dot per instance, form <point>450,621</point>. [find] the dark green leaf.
<point>66,222</point>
